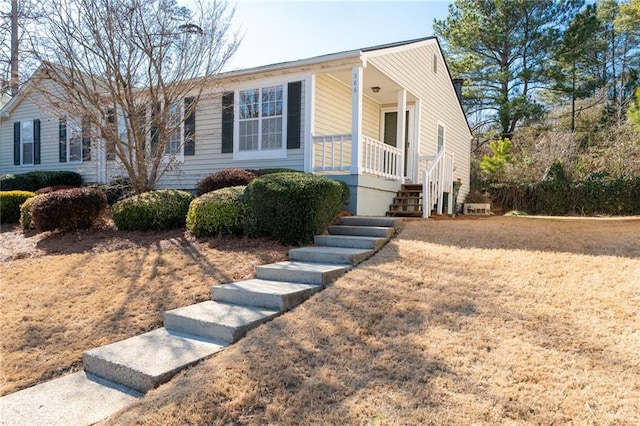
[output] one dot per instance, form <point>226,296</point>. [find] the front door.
<point>390,132</point>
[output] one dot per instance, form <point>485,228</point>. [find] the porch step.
<point>412,187</point>
<point>216,320</point>
<point>362,231</point>
<point>408,202</point>
<point>276,295</point>
<point>301,272</point>
<point>148,360</point>
<point>332,255</point>
<point>349,241</point>
<point>371,221</point>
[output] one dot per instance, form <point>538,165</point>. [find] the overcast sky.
<point>278,31</point>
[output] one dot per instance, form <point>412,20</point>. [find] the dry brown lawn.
<point>62,294</point>
<point>496,321</point>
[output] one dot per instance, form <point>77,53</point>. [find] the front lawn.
<point>491,321</point>
<point>62,294</point>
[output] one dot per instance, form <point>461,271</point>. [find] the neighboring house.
<point>373,117</point>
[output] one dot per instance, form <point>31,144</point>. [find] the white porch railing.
<point>438,179</point>
<point>380,159</point>
<point>332,153</point>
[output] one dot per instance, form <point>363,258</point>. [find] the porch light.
<point>375,89</point>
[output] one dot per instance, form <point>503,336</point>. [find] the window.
<point>261,119</point>
<point>26,135</point>
<point>74,137</point>
<point>440,138</point>
<point>26,143</point>
<point>174,145</point>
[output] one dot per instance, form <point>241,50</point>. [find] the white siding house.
<point>374,118</point>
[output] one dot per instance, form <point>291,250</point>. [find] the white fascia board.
<point>389,50</point>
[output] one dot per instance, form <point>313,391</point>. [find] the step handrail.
<point>438,179</point>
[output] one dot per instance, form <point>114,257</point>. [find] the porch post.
<point>356,120</point>
<point>400,133</point>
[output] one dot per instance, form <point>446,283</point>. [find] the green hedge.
<point>292,207</point>
<point>221,212</point>
<point>25,212</point>
<point>598,195</point>
<point>154,210</point>
<point>32,181</point>
<point>68,209</point>
<point>225,179</point>
<point>10,202</point>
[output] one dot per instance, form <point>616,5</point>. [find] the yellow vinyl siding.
<point>413,69</point>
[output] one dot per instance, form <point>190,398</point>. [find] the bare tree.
<point>134,70</point>
<point>16,21</point>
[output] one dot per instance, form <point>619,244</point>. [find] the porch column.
<point>400,133</point>
<point>356,120</point>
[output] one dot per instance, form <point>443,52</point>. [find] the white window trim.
<point>177,156</point>
<point>77,123</point>
<point>33,144</point>
<point>269,154</point>
<point>444,136</point>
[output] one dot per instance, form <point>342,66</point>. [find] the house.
<point>375,118</point>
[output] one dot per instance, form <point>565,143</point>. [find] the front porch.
<point>366,130</point>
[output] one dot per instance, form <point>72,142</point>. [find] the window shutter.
<point>294,108</point>
<point>189,126</point>
<point>155,137</point>
<point>227,122</point>
<point>111,119</point>
<point>62,139</point>
<point>36,141</point>
<point>16,143</point>
<point>86,139</point>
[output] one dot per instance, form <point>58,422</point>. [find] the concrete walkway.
<point>118,374</point>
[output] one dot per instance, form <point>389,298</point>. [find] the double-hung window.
<point>174,145</point>
<point>261,123</point>
<point>27,142</point>
<point>440,138</point>
<point>74,140</point>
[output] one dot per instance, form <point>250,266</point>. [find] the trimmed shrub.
<point>221,212</point>
<point>291,207</point>
<point>10,202</point>
<point>346,193</point>
<point>225,179</point>
<point>154,210</point>
<point>263,172</point>
<point>118,189</point>
<point>32,181</point>
<point>68,209</point>
<point>49,189</point>
<point>25,212</point>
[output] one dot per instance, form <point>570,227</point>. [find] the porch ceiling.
<point>373,77</point>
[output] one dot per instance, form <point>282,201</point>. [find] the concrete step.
<point>369,243</point>
<point>216,320</point>
<point>333,255</point>
<point>371,221</point>
<point>75,399</point>
<point>276,295</point>
<point>301,272</point>
<point>362,231</point>
<point>148,360</point>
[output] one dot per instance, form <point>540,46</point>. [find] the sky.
<point>279,31</point>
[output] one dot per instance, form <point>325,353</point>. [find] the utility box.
<point>477,208</point>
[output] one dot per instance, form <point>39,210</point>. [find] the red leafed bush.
<point>226,178</point>
<point>55,188</point>
<point>68,209</point>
